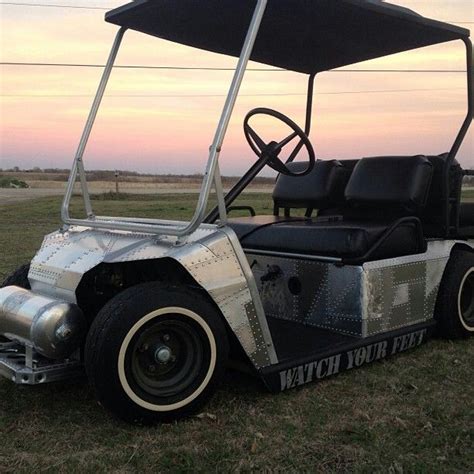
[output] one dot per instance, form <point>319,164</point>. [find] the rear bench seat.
<point>383,198</point>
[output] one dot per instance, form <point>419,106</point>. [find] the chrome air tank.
<point>55,329</point>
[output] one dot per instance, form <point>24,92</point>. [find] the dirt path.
<point>10,196</point>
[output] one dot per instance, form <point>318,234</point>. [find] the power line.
<point>192,68</point>
<point>83,7</point>
<point>54,5</point>
<point>101,66</point>
<point>379,91</point>
<point>138,96</point>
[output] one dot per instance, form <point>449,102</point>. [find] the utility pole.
<point>117,174</point>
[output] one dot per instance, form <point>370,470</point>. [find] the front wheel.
<point>18,278</point>
<point>156,353</point>
<point>455,307</point>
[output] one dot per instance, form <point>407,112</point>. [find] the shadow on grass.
<point>74,400</point>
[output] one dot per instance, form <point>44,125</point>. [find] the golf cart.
<point>380,259</point>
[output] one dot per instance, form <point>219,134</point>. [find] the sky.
<point>164,121</point>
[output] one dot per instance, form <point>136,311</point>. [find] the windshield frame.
<point>212,176</point>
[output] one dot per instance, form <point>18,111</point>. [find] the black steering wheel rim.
<point>270,151</point>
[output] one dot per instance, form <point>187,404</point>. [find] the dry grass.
<point>45,179</point>
<point>105,186</point>
<point>142,185</point>
<point>413,413</point>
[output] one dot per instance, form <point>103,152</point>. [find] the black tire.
<point>455,305</point>
<point>18,278</point>
<point>136,329</point>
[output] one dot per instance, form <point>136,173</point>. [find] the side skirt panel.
<point>292,374</point>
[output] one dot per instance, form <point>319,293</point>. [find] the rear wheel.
<point>455,308</point>
<point>156,353</point>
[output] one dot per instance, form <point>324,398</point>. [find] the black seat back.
<point>388,187</point>
<point>322,188</point>
<point>434,215</point>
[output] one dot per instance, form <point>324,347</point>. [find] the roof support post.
<point>78,166</point>
<point>448,218</point>
<point>309,114</point>
<point>470,102</point>
<point>309,103</point>
<point>221,131</point>
<point>220,196</point>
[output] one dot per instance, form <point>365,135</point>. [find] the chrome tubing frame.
<point>78,166</point>
<point>211,175</point>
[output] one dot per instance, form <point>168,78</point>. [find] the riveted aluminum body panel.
<point>403,291</point>
<point>310,292</point>
<point>360,301</point>
<point>208,255</point>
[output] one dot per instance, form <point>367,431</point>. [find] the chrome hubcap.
<point>167,358</point>
<point>163,355</point>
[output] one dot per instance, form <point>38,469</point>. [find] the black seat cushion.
<point>334,239</point>
<point>244,225</point>
<point>323,187</point>
<point>399,183</point>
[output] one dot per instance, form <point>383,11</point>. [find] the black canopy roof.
<point>301,35</point>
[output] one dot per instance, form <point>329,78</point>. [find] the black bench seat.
<point>377,218</point>
<point>339,239</point>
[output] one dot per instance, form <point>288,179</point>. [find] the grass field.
<point>413,413</point>
<point>468,194</point>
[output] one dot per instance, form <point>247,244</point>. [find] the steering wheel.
<point>269,152</point>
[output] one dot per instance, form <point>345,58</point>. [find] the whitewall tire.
<point>156,352</point>
<point>455,306</point>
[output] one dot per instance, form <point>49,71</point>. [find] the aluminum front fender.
<point>211,255</point>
